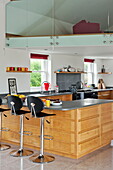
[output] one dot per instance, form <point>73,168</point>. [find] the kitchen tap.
<point>79,84</point>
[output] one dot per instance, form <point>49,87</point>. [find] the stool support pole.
<point>21,131</point>
<point>41,137</point>
<point>21,152</point>
<point>41,158</point>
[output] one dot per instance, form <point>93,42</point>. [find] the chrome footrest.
<point>5,129</point>
<point>27,133</point>
<point>47,137</point>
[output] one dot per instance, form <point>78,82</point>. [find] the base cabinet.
<point>66,97</point>
<point>105,95</point>
<point>76,132</point>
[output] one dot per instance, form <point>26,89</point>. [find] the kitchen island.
<point>79,127</point>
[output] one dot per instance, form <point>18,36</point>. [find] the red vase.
<point>46,86</point>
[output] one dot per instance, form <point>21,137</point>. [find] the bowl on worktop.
<point>56,103</point>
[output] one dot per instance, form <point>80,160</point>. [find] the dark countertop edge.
<point>101,89</point>
<point>53,93</point>
<point>103,101</point>
<point>40,95</point>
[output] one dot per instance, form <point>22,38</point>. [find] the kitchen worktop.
<point>93,90</point>
<point>49,94</point>
<point>75,104</point>
<point>102,89</point>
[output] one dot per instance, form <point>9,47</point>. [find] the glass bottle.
<point>103,69</point>
<point>56,89</point>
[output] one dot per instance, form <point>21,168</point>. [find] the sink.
<point>80,90</point>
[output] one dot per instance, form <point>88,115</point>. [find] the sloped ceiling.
<point>60,14</point>
<point>48,17</point>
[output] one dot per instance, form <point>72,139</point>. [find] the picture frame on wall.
<point>12,86</point>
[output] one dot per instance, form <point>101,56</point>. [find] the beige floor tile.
<point>98,160</point>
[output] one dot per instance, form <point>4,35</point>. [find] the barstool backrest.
<point>35,105</point>
<point>15,103</point>
<point>0,101</point>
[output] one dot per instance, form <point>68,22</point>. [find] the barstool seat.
<point>36,106</point>
<point>2,110</point>
<point>15,103</point>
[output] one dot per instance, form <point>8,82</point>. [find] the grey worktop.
<point>93,90</point>
<point>75,104</point>
<point>49,94</point>
<point>102,89</point>
<point>39,94</point>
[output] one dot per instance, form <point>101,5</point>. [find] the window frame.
<point>91,71</point>
<point>44,65</point>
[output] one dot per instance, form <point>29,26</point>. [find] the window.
<point>89,67</point>
<point>39,68</point>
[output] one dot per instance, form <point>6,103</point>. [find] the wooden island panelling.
<point>66,97</point>
<point>76,132</point>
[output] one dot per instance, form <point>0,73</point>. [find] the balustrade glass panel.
<point>30,19</point>
<point>41,22</point>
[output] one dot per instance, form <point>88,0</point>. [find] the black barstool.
<point>15,103</point>
<point>36,106</point>
<point>3,146</point>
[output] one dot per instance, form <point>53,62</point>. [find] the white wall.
<point>108,64</point>
<point>98,63</point>
<point>11,57</point>
<point>20,58</point>
<point>108,78</point>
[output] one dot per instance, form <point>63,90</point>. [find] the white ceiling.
<point>66,14</point>
<point>89,51</point>
<point>71,11</point>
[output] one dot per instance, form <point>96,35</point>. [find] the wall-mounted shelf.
<point>80,72</point>
<point>20,71</point>
<point>105,73</point>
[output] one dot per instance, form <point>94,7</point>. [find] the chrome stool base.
<point>44,159</point>
<point>4,147</point>
<point>21,153</point>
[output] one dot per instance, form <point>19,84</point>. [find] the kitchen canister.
<point>47,103</point>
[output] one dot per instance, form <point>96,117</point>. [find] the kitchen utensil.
<point>48,103</point>
<point>64,69</point>
<point>56,103</point>
<point>56,89</point>
<point>73,88</point>
<point>71,69</point>
<point>103,84</point>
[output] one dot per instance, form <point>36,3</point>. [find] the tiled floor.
<point>99,160</point>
